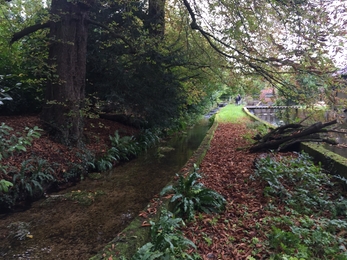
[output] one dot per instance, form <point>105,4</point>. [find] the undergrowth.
<point>314,224</point>
<point>29,179</point>
<point>125,148</point>
<point>166,237</point>
<point>190,196</point>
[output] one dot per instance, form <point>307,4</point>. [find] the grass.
<point>231,114</point>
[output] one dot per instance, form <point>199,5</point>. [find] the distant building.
<point>267,96</point>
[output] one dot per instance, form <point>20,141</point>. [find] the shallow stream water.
<point>60,228</point>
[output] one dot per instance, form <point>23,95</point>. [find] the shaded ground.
<point>78,231</point>
<point>77,222</point>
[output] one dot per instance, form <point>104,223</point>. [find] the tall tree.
<point>65,91</point>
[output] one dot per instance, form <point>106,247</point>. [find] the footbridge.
<point>268,113</point>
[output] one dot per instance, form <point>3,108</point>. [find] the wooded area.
<point>161,60</point>
<point>86,85</point>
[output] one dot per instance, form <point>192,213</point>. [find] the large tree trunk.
<point>67,56</point>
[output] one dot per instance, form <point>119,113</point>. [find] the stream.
<point>59,227</point>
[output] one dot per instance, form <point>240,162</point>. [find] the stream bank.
<point>79,221</point>
<point>137,233</point>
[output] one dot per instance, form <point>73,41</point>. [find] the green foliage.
<point>23,64</point>
<point>304,176</point>
<point>168,77</point>
<point>316,211</point>
<point>125,148</point>
<point>167,241</point>
<point>309,91</point>
<point>10,191</point>
<point>4,185</point>
<point>32,175</point>
<point>190,196</point>
<point>16,142</point>
<point>261,128</point>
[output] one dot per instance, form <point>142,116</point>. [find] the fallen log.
<point>284,138</point>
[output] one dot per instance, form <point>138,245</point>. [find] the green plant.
<point>105,163</point>
<point>315,210</point>
<point>167,241</point>
<point>4,185</point>
<point>286,242</point>
<point>259,127</point>
<point>299,173</point>
<point>32,175</point>
<point>16,142</point>
<point>123,149</point>
<point>148,138</point>
<point>190,196</point>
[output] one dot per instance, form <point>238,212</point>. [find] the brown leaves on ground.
<point>235,233</point>
<point>60,157</point>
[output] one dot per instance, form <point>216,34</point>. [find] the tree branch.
<point>132,50</point>
<point>28,30</point>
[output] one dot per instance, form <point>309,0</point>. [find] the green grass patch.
<point>231,114</point>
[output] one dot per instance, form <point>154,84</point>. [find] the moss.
<point>85,198</point>
<point>257,119</point>
<point>331,161</point>
<point>127,242</point>
<point>95,175</point>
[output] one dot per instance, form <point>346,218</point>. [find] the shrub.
<point>315,214</point>
<point>167,241</point>
<point>30,179</point>
<point>190,196</point>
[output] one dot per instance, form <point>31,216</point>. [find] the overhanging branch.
<point>116,35</point>
<point>28,30</point>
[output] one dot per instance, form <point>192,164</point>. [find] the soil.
<point>226,168</point>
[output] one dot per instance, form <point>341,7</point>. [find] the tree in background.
<point>269,38</point>
<point>23,66</point>
<point>272,38</point>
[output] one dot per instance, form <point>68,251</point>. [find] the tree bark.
<point>65,91</point>
<point>284,137</point>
